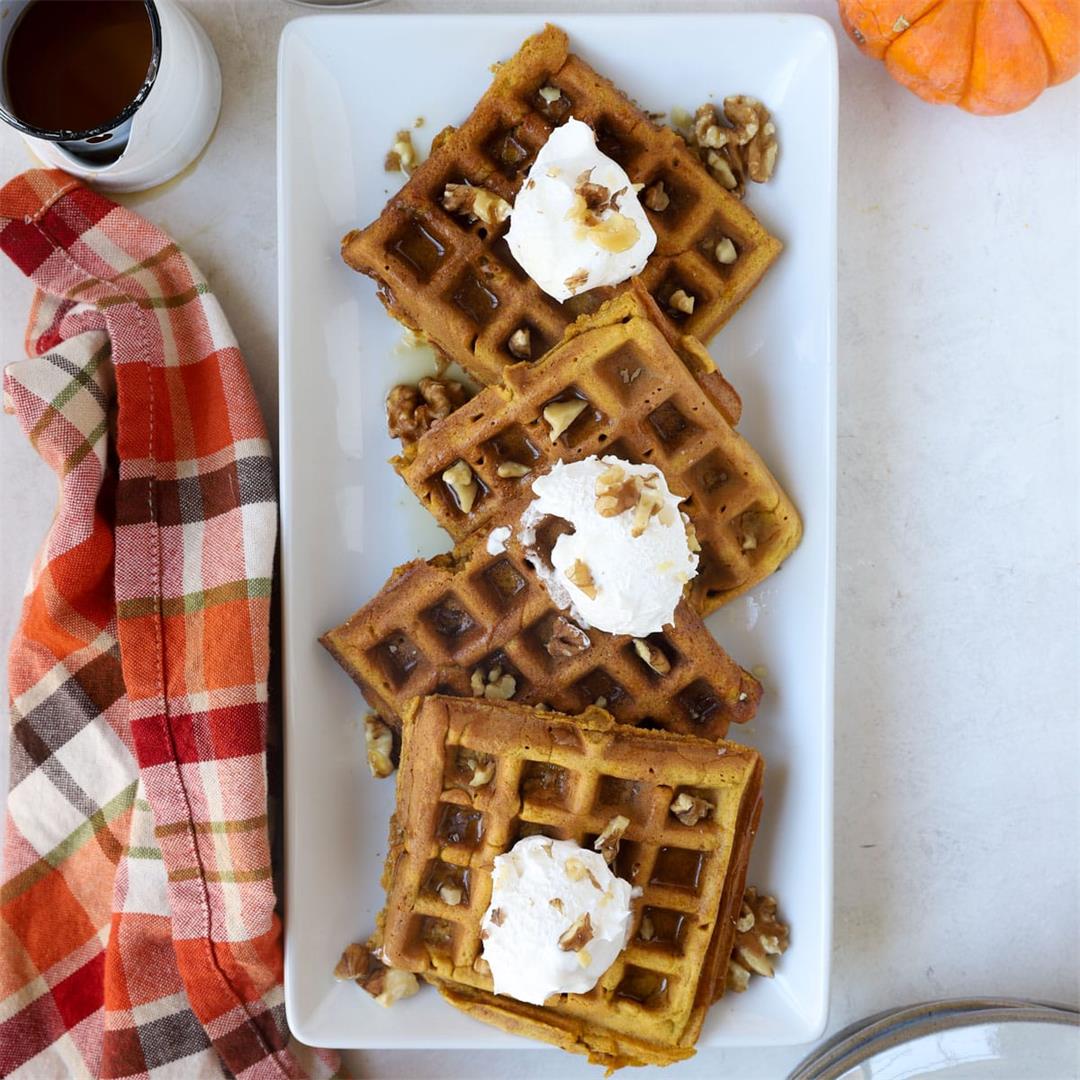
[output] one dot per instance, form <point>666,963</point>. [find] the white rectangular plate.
<point>346,84</point>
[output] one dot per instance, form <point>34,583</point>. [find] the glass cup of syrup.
<point>122,92</point>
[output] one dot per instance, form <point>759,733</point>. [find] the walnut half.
<point>412,410</point>
<point>386,985</point>
<point>379,740</point>
<point>759,938</point>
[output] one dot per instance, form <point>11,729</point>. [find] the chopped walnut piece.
<point>497,917</point>
<point>561,414</point>
<point>689,809</point>
<point>616,491</point>
<point>451,894</point>
<point>681,300</point>
<point>646,931</point>
<point>577,935</point>
<point>607,843</point>
<point>652,656</point>
<point>725,251</point>
<point>379,740</point>
<point>567,639</point>
<point>577,279</point>
<point>759,937</point>
<point>576,870</point>
<point>356,962</point>
<point>724,171</point>
<point>412,410</point>
<point>749,542</point>
<point>656,198</point>
<point>401,156</point>
<point>650,502</point>
<point>386,985</point>
<point>480,767</point>
<point>512,470</point>
<point>496,685</point>
<point>556,903</point>
<point>692,541</point>
<point>460,480</point>
<point>520,344</point>
<point>594,200</point>
<point>596,197</point>
<point>475,203</point>
<point>580,575</point>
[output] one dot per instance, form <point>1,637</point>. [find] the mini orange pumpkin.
<point>987,56</point>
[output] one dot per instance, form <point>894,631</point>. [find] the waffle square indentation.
<point>678,868</point>
<point>460,826</point>
<point>420,249</point>
<point>450,619</point>
<point>397,657</point>
<point>643,987</point>
<point>672,425</point>
<point>545,783</point>
<point>699,702</point>
<point>662,928</point>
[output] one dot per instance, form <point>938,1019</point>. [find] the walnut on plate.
<point>386,985</point>
<point>412,410</point>
<point>759,938</point>
<point>735,142</point>
<point>379,741</point>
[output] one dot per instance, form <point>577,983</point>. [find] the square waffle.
<point>441,625</point>
<point>459,284</point>
<point>567,777</point>
<point>647,403</point>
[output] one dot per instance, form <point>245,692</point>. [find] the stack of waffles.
<point>511,718</point>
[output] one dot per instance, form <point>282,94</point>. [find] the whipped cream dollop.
<point>631,553</point>
<point>577,222</point>
<point>558,918</point>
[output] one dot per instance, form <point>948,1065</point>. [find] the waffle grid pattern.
<point>643,405</point>
<point>460,285</point>
<point>566,778</point>
<point>436,623</point>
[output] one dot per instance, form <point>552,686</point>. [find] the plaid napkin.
<point>137,927</point>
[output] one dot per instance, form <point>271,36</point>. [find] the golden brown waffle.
<point>567,777</point>
<point>459,284</point>
<point>438,626</point>
<point>645,405</point>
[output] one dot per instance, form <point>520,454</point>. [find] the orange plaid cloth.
<point>138,936</point>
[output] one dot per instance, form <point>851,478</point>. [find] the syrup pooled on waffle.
<point>637,394</point>
<point>455,279</point>
<point>480,625</point>
<point>476,776</point>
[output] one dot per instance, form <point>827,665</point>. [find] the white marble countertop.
<point>957,745</point>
